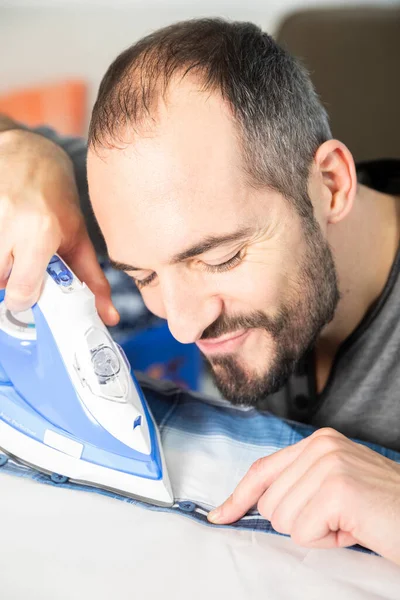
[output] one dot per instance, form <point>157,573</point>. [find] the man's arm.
<point>41,215</point>
<point>76,149</point>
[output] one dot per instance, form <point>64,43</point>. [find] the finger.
<point>282,494</point>
<point>318,523</point>
<point>259,477</point>
<point>83,261</point>
<point>284,512</point>
<point>26,278</point>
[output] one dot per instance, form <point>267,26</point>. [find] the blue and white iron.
<point>68,402</point>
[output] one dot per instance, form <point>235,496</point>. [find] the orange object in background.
<point>62,106</point>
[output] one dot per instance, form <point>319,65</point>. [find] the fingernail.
<point>214,516</point>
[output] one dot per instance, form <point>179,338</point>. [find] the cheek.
<point>257,286</point>
<point>270,272</point>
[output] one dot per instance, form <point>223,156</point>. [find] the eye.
<point>141,283</point>
<point>227,265</point>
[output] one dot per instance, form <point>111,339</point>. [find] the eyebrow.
<point>208,243</point>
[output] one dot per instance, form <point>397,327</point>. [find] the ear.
<point>335,165</point>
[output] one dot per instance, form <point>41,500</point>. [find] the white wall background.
<point>44,41</point>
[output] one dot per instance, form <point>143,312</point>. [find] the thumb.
<point>83,261</point>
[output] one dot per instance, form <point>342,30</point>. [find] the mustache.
<point>255,320</point>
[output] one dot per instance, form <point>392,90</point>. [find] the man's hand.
<point>325,491</point>
<point>40,215</point>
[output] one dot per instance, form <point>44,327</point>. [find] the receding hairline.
<point>120,134</point>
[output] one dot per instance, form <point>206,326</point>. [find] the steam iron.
<point>69,405</point>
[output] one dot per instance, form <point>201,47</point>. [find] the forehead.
<point>176,179</point>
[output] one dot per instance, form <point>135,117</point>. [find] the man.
<point>218,187</point>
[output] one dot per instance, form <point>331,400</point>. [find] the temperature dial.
<point>20,325</point>
<point>105,363</point>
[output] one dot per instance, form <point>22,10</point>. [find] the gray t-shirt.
<point>362,396</point>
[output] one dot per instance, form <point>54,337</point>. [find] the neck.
<point>364,246</point>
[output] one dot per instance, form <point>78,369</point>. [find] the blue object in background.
<point>156,352</point>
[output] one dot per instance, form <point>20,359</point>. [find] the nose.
<point>189,309</point>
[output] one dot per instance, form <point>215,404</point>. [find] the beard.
<point>294,330</point>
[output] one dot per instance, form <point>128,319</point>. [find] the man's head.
<point>213,181</point>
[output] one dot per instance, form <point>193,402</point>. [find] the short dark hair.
<point>280,117</point>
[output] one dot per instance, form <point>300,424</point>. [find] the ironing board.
<point>60,544</point>
<point>68,542</point>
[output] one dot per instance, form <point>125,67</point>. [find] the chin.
<point>241,384</point>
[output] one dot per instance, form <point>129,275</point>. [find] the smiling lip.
<point>224,343</point>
